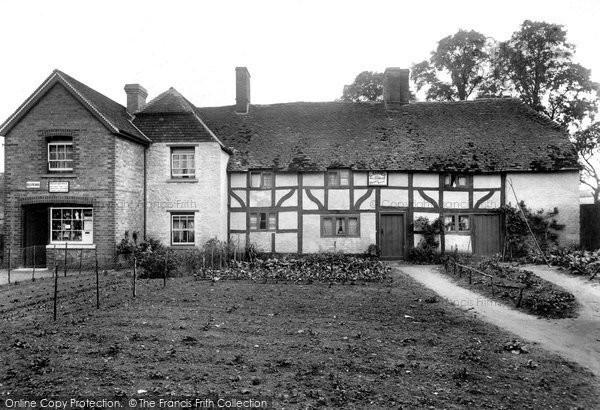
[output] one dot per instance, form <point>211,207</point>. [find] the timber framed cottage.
<point>81,169</point>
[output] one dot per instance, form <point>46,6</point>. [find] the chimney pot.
<point>136,97</point>
<point>242,90</point>
<point>396,90</point>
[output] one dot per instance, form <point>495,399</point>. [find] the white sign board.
<point>32,185</point>
<point>58,186</point>
<point>377,178</point>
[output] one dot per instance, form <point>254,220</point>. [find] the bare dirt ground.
<point>384,345</point>
<point>576,339</point>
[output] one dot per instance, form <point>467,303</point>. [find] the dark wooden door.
<point>35,235</point>
<point>391,235</point>
<point>486,234</point>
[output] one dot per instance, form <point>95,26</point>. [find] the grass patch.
<point>377,345</point>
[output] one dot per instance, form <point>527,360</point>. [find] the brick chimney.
<point>136,97</point>
<point>242,90</point>
<point>396,91</point>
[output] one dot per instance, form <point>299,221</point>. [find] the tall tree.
<point>367,86</point>
<point>461,58</point>
<point>536,65</point>
<point>587,143</point>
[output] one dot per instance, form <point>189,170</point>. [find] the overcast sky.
<point>295,50</point>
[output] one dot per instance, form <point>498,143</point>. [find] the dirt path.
<point>575,339</point>
<point>22,275</point>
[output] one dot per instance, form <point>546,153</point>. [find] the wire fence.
<point>70,273</point>
<point>451,265</point>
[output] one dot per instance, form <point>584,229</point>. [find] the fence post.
<point>134,273</point>
<point>520,298</point>
<point>97,281</point>
<point>54,257</point>
<point>165,272</point>
<point>492,284</point>
<point>80,259</point>
<point>33,271</point>
<point>9,266</point>
<point>66,259</point>
<point>55,289</point>
<point>470,276</point>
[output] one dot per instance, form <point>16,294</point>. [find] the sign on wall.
<point>378,178</point>
<point>58,186</point>
<point>32,185</point>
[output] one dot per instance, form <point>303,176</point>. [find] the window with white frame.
<point>71,225</point>
<point>261,179</point>
<point>182,229</point>
<point>263,221</point>
<point>457,223</point>
<point>341,225</point>
<point>60,156</point>
<point>183,162</point>
<point>338,177</point>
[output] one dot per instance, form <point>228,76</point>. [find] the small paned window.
<point>182,229</point>
<point>338,177</point>
<point>71,225</point>
<point>455,181</point>
<point>183,163</point>
<point>342,225</point>
<point>261,179</point>
<point>457,223</point>
<point>60,156</point>
<point>263,221</point>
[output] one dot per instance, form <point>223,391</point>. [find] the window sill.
<point>183,180</point>
<point>339,236</point>
<point>186,246</point>
<point>59,175</point>
<point>59,246</point>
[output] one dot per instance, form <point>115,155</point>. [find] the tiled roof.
<point>112,114</point>
<point>115,113</point>
<point>485,135</point>
<point>171,117</point>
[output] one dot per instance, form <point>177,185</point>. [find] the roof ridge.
<point>169,91</point>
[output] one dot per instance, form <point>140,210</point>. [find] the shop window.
<point>71,225</point>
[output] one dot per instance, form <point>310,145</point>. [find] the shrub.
<point>519,242</point>
<point>578,262</point>
<point>128,243</point>
<point>373,251</point>
<point>322,267</point>
<point>153,257</point>
<point>427,249</point>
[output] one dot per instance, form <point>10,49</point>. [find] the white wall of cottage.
<point>206,197</point>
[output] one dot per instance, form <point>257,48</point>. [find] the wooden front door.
<point>391,235</point>
<point>35,235</point>
<point>486,234</point>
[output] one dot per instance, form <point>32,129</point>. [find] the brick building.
<point>82,169</point>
